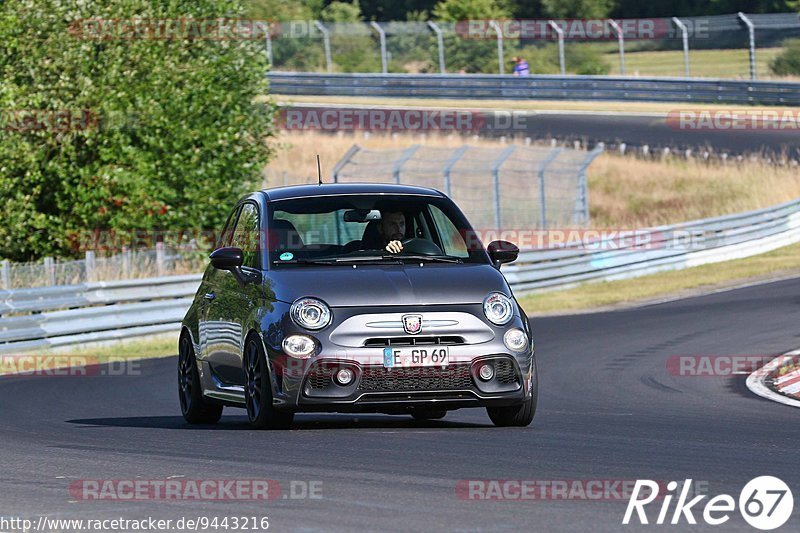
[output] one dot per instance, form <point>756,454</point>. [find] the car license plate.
<point>415,356</point>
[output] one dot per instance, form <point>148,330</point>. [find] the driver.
<point>392,230</point>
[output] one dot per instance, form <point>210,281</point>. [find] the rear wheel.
<point>428,414</point>
<point>195,408</point>
<point>517,415</point>
<point>258,391</point>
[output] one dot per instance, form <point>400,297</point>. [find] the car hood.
<point>371,285</point>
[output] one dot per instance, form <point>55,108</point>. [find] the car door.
<point>232,305</point>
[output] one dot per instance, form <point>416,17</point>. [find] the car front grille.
<point>453,377</point>
<point>382,342</point>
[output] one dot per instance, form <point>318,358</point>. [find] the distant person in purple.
<point>521,68</point>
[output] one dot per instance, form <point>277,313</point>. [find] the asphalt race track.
<point>608,410</point>
<point>613,129</point>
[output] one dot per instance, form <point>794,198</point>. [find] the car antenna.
<point>319,171</point>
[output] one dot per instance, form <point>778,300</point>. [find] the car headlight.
<point>298,346</point>
<point>515,340</point>
<point>498,308</point>
<point>310,313</point>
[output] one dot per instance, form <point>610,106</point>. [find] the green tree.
<point>588,9</point>
<point>165,133</point>
<point>787,63</point>
<point>456,10</point>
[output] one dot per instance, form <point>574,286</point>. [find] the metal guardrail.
<point>72,314</point>
<point>58,316</point>
<point>540,87</point>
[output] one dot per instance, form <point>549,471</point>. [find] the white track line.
<point>755,381</point>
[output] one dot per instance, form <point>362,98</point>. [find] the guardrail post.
<point>343,161</point>
<point>560,33</point>
<point>685,36</point>
<point>542,191</point>
<point>621,41</point>
<point>89,264</point>
<point>126,262</point>
<point>496,27</point>
<point>160,263</point>
<point>50,270</point>
<point>498,218</point>
<point>326,43</point>
<point>5,274</point>
<point>751,31</point>
<point>439,43</point>
<point>382,36</point>
<point>448,167</point>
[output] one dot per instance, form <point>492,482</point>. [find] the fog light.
<point>298,346</point>
<point>486,372</point>
<point>515,340</point>
<point>344,377</point>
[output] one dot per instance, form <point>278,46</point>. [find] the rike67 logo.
<point>765,503</point>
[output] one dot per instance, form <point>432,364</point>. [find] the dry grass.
<point>623,191</point>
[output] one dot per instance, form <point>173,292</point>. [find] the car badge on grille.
<point>412,324</point>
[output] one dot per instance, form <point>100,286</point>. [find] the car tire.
<point>258,391</point>
<point>428,414</point>
<point>195,408</point>
<point>521,414</point>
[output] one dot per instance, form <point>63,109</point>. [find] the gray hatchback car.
<point>355,298</point>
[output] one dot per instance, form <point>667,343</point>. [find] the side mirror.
<point>502,252</point>
<point>231,258</point>
<point>227,258</point>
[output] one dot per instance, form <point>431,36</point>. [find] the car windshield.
<point>358,228</point>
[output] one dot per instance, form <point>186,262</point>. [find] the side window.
<point>246,235</point>
<point>452,241</point>
<point>227,231</point>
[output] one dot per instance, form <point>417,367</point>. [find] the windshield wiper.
<point>305,262</point>
<point>432,258</point>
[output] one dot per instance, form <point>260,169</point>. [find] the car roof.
<point>335,189</point>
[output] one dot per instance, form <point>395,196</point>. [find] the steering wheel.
<point>415,245</point>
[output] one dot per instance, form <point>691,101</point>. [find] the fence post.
<point>343,161</point>
<point>448,167</point>
<point>160,267</point>
<point>751,31</point>
<point>6,274</point>
<point>542,198</point>
<point>439,43</point>
<point>382,36</point>
<point>326,43</point>
<point>583,188</point>
<point>685,36</point>
<point>621,41</point>
<point>560,33</point>
<point>498,215</point>
<point>408,153</point>
<point>269,44</point>
<point>50,270</point>
<point>89,264</point>
<point>496,27</point>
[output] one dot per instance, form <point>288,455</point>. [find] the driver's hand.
<point>394,247</point>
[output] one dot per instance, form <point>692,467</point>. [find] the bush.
<point>165,134</point>
<point>787,63</point>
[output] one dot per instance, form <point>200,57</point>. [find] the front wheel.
<point>195,409</point>
<point>517,415</point>
<point>258,391</point>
